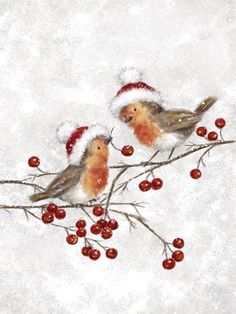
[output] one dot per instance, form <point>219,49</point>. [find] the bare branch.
<point>133,219</point>
<point>167,162</point>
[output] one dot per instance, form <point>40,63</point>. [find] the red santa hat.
<point>133,90</point>
<point>77,138</point>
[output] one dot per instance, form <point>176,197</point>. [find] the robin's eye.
<point>135,109</point>
<point>98,147</point>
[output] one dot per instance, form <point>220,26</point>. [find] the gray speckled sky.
<point>59,60</point>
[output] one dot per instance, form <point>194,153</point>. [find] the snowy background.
<point>59,60</point>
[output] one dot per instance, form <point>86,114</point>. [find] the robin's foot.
<point>153,156</point>
<point>100,198</point>
<point>90,202</point>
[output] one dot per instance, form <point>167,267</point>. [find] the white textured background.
<point>59,59</point>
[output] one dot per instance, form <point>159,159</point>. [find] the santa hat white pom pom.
<point>65,129</point>
<point>130,75</point>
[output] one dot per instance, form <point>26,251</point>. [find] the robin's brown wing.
<point>65,180</point>
<point>174,120</point>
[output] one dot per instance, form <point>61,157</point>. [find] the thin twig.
<point>35,176</point>
<point>112,188</point>
<point>85,211</point>
<point>51,224</point>
<point>142,221</point>
<point>22,183</point>
<point>87,240</point>
<point>201,159</point>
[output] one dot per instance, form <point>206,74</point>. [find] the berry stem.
<point>168,245</point>
<point>221,134</point>
<point>85,211</point>
<point>165,251</point>
<point>87,240</point>
<point>33,176</point>
<point>112,144</point>
<point>66,230</point>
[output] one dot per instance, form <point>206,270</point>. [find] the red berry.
<point>81,232</point>
<point>95,229</point>
<point>102,223</point>
<point>168,263</point>
<point>157,184</point>
<point>111,253</point>
<point>106,233</point>
<point>52,208</point>
<point>145,185</point>
<point>80,223</point>
<point>113,224</point>
<point>34,161</point>
<point>220,123</point>
<point>178,256</point>
<point>60,213</point>
<point>127,150</point>
<point>201,131</point>
<point>72,239</point>
<point>86,250</point>
<point>178,243</point>
<point>47,218</point>
<point>212,136</point>
<point>195,173</point>
<point>98,211</point>
<point>94,254</point>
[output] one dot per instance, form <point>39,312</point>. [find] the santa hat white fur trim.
<point>65,129</point>
<point>130,75</point>
<point>134,95</point>
<point>82,143</point>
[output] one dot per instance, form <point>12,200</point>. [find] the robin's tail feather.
<point>39,196</point>
<point>205,105</point>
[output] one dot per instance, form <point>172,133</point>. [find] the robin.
<point>140,106</point>
<point>86,176</point>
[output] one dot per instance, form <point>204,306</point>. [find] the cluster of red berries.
<point>211,136</point>
<point>127,150</point>
<point>102,226</point>
<point>155,184</point>
<point>177,256</point>
<point>81,231</point>
<point>94,254</point>
<point>89,251</point>
<point>51,211</point>
<point>34,161</point>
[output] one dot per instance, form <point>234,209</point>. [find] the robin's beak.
<point>108,140</point>
<point>128,119</point>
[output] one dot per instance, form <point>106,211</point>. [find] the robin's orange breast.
<point>147,134</point>
<point>95,181</point>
